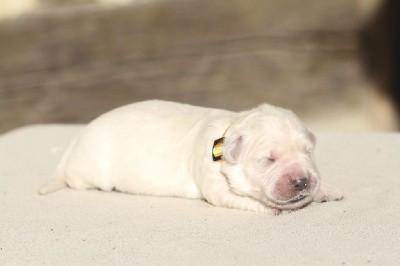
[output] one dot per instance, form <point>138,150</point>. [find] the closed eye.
<point>266,160</point>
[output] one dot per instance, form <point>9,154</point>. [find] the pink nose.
<point>300,183</point>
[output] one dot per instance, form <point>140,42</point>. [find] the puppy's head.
<point>269,156</point>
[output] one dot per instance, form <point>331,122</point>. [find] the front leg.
<point>327,193</point>
<point>218,193</point>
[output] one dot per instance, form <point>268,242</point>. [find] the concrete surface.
<point>93,227</point>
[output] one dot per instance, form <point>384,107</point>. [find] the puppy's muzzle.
<point>293,187</point>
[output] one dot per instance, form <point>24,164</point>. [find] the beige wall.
<point>71,63</point>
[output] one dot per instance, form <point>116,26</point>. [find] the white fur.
<point>164,149</point>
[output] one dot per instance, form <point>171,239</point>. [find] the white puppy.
<point>260,160</point>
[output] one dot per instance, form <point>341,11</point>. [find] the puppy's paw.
<point>269,211</point>
<point>327,193</point>
<point>275,212</point>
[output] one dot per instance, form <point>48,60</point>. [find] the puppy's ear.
<point>312,137</point>
<point>232,148</point>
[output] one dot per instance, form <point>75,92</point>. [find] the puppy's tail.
<point>59,181</point>
<point>54,185</point>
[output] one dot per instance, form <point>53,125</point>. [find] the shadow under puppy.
<point>260,160</point>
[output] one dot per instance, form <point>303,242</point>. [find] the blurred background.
<point>335,63</point>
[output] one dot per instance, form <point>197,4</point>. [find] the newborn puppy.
<point>260,160</point>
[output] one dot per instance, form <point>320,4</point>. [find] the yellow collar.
<point>217,149</point>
